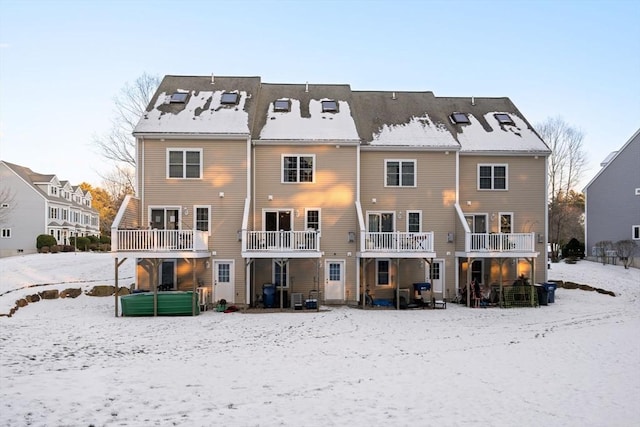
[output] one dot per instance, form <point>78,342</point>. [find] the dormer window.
<point>179,98</point>
<point>229,98</point>
<point>330,106</point>
<point>460,118</point>
<point>282,105</point>
<point>54,191</point>
<point>503,118</point>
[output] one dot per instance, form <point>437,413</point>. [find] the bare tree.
<point>7,203</point>
<point>626,249</point>
<point>119,145</point>
<point>565,168</point>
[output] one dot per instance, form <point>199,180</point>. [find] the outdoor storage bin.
<point>419,287</point>
<point>269,295</point>
<point>543,295</point>
<point>551,291</point>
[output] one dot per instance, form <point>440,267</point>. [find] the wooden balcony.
<point>500,242</point>
<point>280,243</point>
<point>396,242</point>
<point>159,240</point>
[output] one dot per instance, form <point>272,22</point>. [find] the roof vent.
<point>212,79</point>
<point>393,95</point>
<point>306,87</point>
<point>473,100</point>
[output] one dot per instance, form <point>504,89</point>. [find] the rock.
<point>50,294</point>
<point>124,291</point>
<point>102,291</point>
<point>71,293</point>
<point>32,298</point>
<point>22,302</point>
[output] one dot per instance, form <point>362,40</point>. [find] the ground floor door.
<point>435,276</point>
<point>223,281</point>
<point>167,275</point>
<point>334,280</point>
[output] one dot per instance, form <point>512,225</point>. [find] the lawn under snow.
<point>70,362</point>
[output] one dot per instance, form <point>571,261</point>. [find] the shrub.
<point>68,248</point>
<point>105,247</point>
<point>44,250</point>
<point>55,249</point>
<point>93,239</point>
<point>573,249</point>
<point>81,243</point>
<point>45,240</point>
<point>105,239</point>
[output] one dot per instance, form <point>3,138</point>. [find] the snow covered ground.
<point>70,362</point>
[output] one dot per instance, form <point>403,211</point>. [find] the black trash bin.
<point>543,295</point>
<point>269,295</point>
<point>551,291</point>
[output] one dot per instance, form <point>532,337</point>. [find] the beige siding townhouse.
<point>270,194</point>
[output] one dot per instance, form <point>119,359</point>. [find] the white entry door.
<point>334,280</point>
<point>435,275</point>
<point>223,281</point>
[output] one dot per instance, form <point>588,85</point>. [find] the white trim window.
<point>312,219</point>
<point>298,168</point>
<point>184,163</point>
<point>635,232</point>
<point>493,176</point>
<point>506,222</point>
<point>202,218</point>
<point>414,221</point>
<point>400,173</point>
<point>383,272</point>
<point>6,233</point>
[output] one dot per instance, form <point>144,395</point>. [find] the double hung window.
<point>400,173</point>
<point>184,163</point>
<point>298,168</point>
<point>492,177</point>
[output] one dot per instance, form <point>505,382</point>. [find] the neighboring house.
<point>323,188</point>
<point>612,210</point>
<point>42,204</point>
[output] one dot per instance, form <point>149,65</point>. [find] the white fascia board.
<point>414,148</point>
<point>302,142</point>
<point>227,136</point>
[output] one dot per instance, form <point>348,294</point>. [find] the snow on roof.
<point>419,131</point>
<point>203,113</point>
<point>505,138</point>
<point>290,125</point>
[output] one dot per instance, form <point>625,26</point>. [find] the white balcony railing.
<point>281,241</point>
<point>159,240</point>
<point>396,242</point>
<point>500,242</point>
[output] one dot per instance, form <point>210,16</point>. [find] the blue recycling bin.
<point>269,295</point>
<point>551,291</point>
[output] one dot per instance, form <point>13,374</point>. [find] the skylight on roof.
<point>179,97</point>
<point>229,98</point>
<point>460,118</point>
<point>503,118</point>
<point>282,105</point>
<point>329,106</point>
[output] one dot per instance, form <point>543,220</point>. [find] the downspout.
<point>546,217</point>
<point>358,259</point>
<point>457,203</point>
<point>249,196</point>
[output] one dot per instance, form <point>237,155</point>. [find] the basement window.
<point>503,118</point>
<point>330,106</point>
<point>229,98</point>
<point>179,97</point>
<point>459,118</point>
<point>282,105</point>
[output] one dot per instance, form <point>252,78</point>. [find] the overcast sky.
<point>63,62</point>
